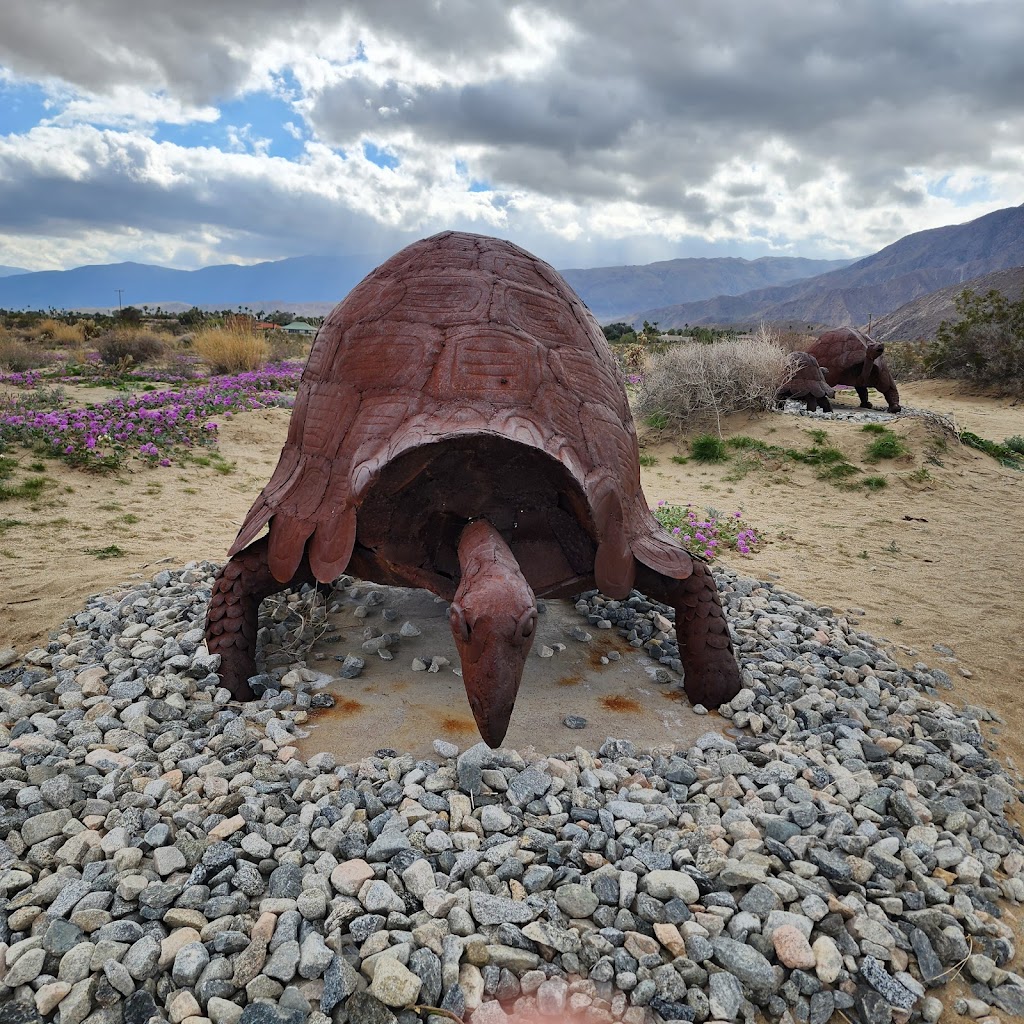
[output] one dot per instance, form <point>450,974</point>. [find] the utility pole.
<point>119,293</point>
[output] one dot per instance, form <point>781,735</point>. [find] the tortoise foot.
<point>895,408</point>
<point>712,676</point>
<point>236,668</point>
<point>232,618</point>
<point>866,405</point>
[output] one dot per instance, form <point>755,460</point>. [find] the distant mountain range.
<point>921,317</point>
<point>672,293</point>
<point>614,293</point>
<point>8,271</point>
<point>314,284</point>
<point>281,284</point>
<point>872,287</point>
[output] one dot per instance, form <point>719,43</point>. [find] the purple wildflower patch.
<point>155,426</point>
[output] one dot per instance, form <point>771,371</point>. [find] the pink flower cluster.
<point>707,534</point>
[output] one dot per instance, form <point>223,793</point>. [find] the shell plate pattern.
<point>460,343</point>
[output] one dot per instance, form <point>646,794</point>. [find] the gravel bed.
<point>854,414</point>
<point>165,854</point>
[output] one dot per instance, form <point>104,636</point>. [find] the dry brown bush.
<point>43,330</point>
<point>126,343</point>
<point>17,356</point>
<point>61,334</point>
<point>287,346</point>
<point>232,348</point>
<point>68,335</point>
<point>691,382</point>
<point>794,341</point>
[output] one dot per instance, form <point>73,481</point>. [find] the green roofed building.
<point>299,327</point>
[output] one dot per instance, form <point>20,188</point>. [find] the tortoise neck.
<point>482,548</point>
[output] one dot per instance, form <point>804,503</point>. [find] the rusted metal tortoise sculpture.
<point>856,360</point>
<point>461,425</point>
<point>808,382</point>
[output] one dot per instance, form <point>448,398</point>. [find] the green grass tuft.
<point>708,448</point>
<point>875,483</point>
<point>1004,454</point>
<point>110,551</point>
<point>30,487</point>
<point>885,446</point>
<point>648,460</point>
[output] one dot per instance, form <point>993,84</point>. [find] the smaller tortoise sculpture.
<point>855,359</point>
<point>808,382</point>
<point>461,425</point>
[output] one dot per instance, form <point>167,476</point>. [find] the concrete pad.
<point>390,705</point>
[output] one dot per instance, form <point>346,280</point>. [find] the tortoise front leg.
<point>233,616</point>
<point>862,394</point>
<point>712,675</point>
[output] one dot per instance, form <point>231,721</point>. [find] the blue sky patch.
<point>475,184</point>
<point>22,107</point>
<point>264,114</point>
<point>380,157</point>
<point>979,193</point>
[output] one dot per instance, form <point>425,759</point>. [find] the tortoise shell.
<point>461,379</point>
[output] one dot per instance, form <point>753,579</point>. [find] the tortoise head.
<point>493,619</point>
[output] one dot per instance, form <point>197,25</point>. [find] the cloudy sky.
<point>189,132</point>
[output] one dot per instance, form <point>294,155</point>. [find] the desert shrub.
<point>18,356</point>
<point>232,348</point>
<point>694,382</point>
<point>43,329</point>
<point>287,346</point>
<point>68,335</point>
<point>986,344</point>
<point>910,360</point>
<point>613,332</point>
<point>634,357</point>
<point>794,341</point>
<point>123,344</point>
<point>1015,444</point>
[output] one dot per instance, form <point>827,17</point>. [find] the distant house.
<point>299,327</point>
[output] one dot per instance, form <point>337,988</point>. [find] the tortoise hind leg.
<point>233,615</point>
<point>712,675</point>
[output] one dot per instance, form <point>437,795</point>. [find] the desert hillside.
<point>921,317</point>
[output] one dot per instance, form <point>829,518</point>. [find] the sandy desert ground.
<point>931,560</point>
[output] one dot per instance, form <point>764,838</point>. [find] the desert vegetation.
<point>167,391</point>
<point>692,382</point>
<point>984,345</point>
<point>231,347</point>
<point>134,343</point>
